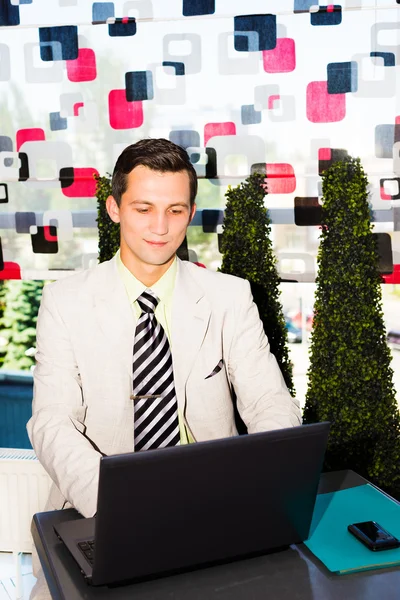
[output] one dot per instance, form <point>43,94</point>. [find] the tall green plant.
<point>350,378</point>
<point>108,230</point>
<point>248,253</point>
<point>22,301</point>
<point>2,308</point>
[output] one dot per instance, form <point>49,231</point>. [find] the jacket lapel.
<point>190,317</point>
<point>114,315</point>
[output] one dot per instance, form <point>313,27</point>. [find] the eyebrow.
<point>152,203</point>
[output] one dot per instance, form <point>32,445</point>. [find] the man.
<point>142,351</point>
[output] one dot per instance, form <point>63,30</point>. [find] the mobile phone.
<point>372,535</point>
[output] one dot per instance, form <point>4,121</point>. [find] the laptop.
<point>167,510</point>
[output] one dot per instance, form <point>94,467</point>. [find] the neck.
<point>146,273</point>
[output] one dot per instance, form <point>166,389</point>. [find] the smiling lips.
<point>156,244</point>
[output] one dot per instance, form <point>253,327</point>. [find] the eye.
<point>176,211</point>
<point>142,210</point>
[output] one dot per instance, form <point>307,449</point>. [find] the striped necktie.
<point>155,403</point>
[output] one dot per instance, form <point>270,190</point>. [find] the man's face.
<point>154,214</point>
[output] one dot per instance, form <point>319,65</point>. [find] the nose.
<point>159,223</point>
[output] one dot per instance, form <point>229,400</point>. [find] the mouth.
<point>156,244</point>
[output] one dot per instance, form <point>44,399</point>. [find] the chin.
<point>159,260</point>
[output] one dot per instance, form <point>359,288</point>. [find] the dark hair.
<point>157,155</point>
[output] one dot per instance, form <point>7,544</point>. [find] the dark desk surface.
<point>293,574</point>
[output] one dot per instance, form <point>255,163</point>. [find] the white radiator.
<point>24,487</point>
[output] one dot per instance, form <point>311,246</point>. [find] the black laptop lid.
<point>162,510</point>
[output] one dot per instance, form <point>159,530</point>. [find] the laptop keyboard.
<point>87,548</point>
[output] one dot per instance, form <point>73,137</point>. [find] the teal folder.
<point>336,547</point>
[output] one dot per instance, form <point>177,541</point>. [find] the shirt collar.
<point>163,288</point>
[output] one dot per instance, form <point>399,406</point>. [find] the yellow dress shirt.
<point>164,289</point>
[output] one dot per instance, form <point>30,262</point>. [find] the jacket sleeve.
<point>263,400</point>
<point>57,426</point>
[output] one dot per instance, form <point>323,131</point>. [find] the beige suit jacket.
<point>83,377</point>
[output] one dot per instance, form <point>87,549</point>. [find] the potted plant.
<point>247,252</point>
<point>350,378</point>
<point>108,230</point>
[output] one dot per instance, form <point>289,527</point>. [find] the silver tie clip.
<point>145,397</point>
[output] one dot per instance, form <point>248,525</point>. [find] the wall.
<point>286,86</point>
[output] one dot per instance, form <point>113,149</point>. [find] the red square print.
<point>11,270</point>
<point>281,178</point>
<point>323,107</point>
<point>33,134</point>
<point>84,184</point>
<point>124,114</point>
<point>282,59</point>
<point>82,68</point>
<point>212,129</point>
<point>324,154</point>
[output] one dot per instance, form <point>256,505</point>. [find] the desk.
<point>291,574</point>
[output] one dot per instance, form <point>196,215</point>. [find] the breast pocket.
<point>216,369</point>
<point>208,395</point>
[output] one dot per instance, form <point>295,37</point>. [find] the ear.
<point>112,209</point>
<point>192,212</point>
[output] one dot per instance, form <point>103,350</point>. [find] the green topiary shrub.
<point>2,308</point>
<point>350,378</point>
<point>21,306</point>
<point>247,252</point>
<point>108,230</point>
